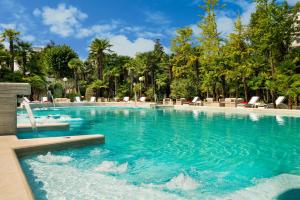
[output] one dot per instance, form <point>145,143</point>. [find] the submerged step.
<point>282,187</point>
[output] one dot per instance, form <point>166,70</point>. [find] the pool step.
<point>43,127</point>
<point>284,186</point>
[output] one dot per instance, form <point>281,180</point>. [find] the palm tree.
<point>4,56</point>
<point>24,51</point>
<point>98,49</point>
<point>12,36</point>
<point>75,64</point>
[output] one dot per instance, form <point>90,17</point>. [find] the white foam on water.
<point>266,189</point>
<point>68,118</point>
<point>97,152</point>
<point>112,167</point>
<point>50,158</point>
<point>66,182</point>
<point>181,182</point>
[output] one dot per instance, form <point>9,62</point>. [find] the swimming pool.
<point>167,154</point>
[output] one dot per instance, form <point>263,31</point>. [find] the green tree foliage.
<point>38,86</point>
<point>12,36</point>
<point>210,42</point>
<point>56,59</point>
<point>271,30</point>
<point>76,64</point>
<point>98,50</point>
<point>24,51</point>
<point>237,56</point>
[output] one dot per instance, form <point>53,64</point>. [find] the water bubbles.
<point>112,167</point>
<point>50,158</point>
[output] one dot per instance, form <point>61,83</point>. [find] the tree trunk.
<point>223,82</point>
<point>76,83</point>
<point>12,53</point>
<point>116,86</point>
<point>237,90</point>
<point>290,103</point>
<point>24,64</point>
<point>272,64</point>
<point>245,89</point>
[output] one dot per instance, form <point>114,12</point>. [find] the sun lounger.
<point>126,99</point>
<point>77,99</point>
<point>278,102</point>
<point>196,101</point>
<point>93,99</point>
<point>251,103</point>
<point>142,99</point>
<point>44,99</point>
<point>167,101</point>
<point>62,100</point>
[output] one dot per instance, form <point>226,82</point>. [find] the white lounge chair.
<point>77,99</point>
<point>278,102</point>
<point>251,103</point>
<point>142,99</point>
<point>44,99</point>
<point>195,101</point>
<point>126,99</point>
<point>93,99</point>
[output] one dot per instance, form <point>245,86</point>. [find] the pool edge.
<point>13,183</point>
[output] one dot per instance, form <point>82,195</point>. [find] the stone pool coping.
<point>213,109</point>
<point>239,110</point>
<point>13,183</point>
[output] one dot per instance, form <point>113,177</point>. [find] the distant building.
<point>296,42</point>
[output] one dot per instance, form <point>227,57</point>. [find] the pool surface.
<point>166,154</point>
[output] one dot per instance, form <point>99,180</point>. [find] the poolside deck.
<point>13,184</point>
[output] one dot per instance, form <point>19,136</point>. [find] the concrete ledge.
<point>58,143</point>
<point>43,127</point>
<point>15,88</point>
<point>13,183</point>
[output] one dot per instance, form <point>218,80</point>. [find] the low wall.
<point>8,104</point>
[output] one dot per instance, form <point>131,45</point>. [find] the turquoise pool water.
<point>165,154</point>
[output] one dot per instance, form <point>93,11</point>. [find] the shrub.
<point>72,96</point>
<point>89,93</point>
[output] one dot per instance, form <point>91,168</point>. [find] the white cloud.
<point>37,12</point>
<point>28,38</point>
<point>157,18</point>
<point>102,30</point>
<point>8,26</point>
<point>225,25</point>
<point>62,20</point>
<point>225,19</point>
<point>123,46</point>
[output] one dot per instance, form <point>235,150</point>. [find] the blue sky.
<point>130,25</point>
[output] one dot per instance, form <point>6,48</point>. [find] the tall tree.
<point>210,46</point>
<point>98,49</point>
<point>12,36</point>
<point>24,51</point>
<point>271,34</point>
<point>75,64</point>
<point>56,60</point>
<point>238,54</point>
